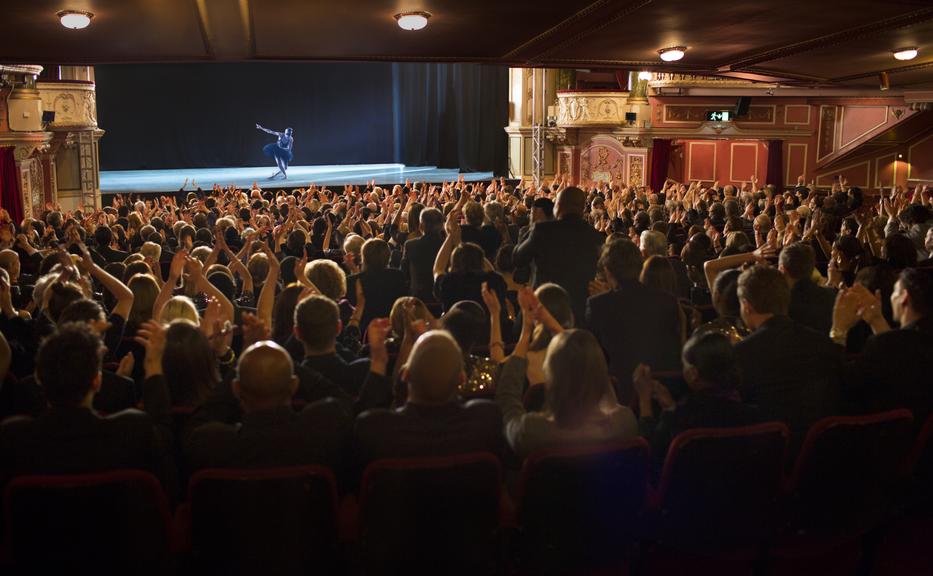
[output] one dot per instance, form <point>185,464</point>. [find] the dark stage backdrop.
<point>163,116</point>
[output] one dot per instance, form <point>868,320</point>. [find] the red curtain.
<point>660,158</point>
<point>776,165</point>
<point>10,197</point>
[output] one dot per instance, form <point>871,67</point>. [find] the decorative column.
<point>21,126</point>
<point>523,82</point>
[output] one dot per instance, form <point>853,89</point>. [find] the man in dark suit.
<point>895,367</point>
<point>635,324</point>
<point>433,422</point>
<point>251,424</point>
<point>810,304</point>
<point>70,437</point>
<point>563,251</point>
<point>791,372</point>
<point>103,235</point>
<point>420,253</point>
<point>381,285</point>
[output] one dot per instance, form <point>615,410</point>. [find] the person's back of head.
<point>797,261</point>
<point>58,296</point>
<point>103,236</point>
<point>466,322</point>
<point>912,298</point>
<point>353,244</point>
<point>295,243</point>
<point>317,323</point>
<point>621,260</point>
<point>189,363</point>
<point>467,258</point>
<point>658,273</point>
<point>763,292</point>
<point>473,212</point>
<point>495,212</point>
<point>726,293</point>
<point>732,208</point>
<point>709,363</point>
<point>542,209</point>
<point>375,254</point>
<point>577,377</point>
<point>432,221</point>
<point>571,202</point>
<point>265,377</point>
<point>653,244</point>
<point>82,310</point>
<point>435,369</point>
<point>180,307</point>
<point>398,317</point>
<point>329,278</point>
<point>258,266</point>
<point>504,263</point>
<point>68,364</point>
<point>900,251</point>
<point>557,302</point>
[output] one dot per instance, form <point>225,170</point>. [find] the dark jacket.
<point>564,252</point>
<point>635,324</point>
<point>418,264</point>
<point>894,370</point>
<point>381,288</point>
<point>812,305</point>
<point>791,372</point>
<point>77,440</point>
<point>424,431</point>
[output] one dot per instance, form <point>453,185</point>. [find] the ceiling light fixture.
<point>412,20</point>
<point>672,54</point>
<point>905,53</point>
<point>75,19</point>
<point>644,75</point>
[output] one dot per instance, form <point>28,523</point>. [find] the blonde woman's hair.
<point>180,308</point>
<point>577,377</point>
<point>329,278</point>
<point>151,250</point>
<point>145,291</point>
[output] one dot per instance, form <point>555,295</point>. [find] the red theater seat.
<point>582,508</point>
<point>431,515</point>
<point>717,499</point>
<point>272,521</point>
<point>106,523</point>
<point>845,480</point>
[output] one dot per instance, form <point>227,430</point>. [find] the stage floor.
<point>123,181</point>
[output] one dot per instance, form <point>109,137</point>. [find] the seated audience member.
<point>70,437</point>
<point>810,304</point>
<point>433,421</point>
<point>250,423</point>
<point>316,327</point>
<point>467,274</point>
<point>563,251</point>
<point>381,285</point>
<point>466,322</point>
<point>726,303</point>
<point>634,323</point>
<point>420,253</point>
<point>581,406</point>
<point>895,367</point>
<point>103,236</point>
<point>791,372</point>
<point>712,376</point>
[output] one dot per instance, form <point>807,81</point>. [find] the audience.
<point>298,327</point>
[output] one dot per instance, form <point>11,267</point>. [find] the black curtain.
<point>451,116</point>
<point>165,116</point>
<point>776,164</point>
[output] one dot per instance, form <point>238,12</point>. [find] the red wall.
<point>729,161</point>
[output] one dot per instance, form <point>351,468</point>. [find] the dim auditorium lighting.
<point>75,19</point>
<point>412,20</point>
<point>905,53</point>
<point>644,75</point>
<point>672,54</point>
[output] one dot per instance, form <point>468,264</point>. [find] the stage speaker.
<point>631,117</point>
<point>741,106</point>
<point>48,116</point>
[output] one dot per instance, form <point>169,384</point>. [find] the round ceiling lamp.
<point>672,54</point>
<point>905,53</point>
<point>75,19</point>
<point>412,20</point>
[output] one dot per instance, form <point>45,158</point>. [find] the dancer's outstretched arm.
<point>267,131</point>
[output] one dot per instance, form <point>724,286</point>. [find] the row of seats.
<point>723,505</point>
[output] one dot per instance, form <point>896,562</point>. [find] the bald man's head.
<point>265,377</point>
<point>435,369</point>
<point>9,261</point>
<point>570,202</point>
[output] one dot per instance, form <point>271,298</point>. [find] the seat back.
<point>431,515</point>
<point>582,506</point>
<point>848,472</point>
<point>104,522</point>
<point>272,521</point>
<point>719,487</point>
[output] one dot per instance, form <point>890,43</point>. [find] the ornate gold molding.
<point>74,104</point>
<point>591,108</point>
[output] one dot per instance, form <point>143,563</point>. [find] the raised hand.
<point>491,299</point>
<point>254,329</point>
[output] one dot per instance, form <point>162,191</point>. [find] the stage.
<point>142,181</point>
